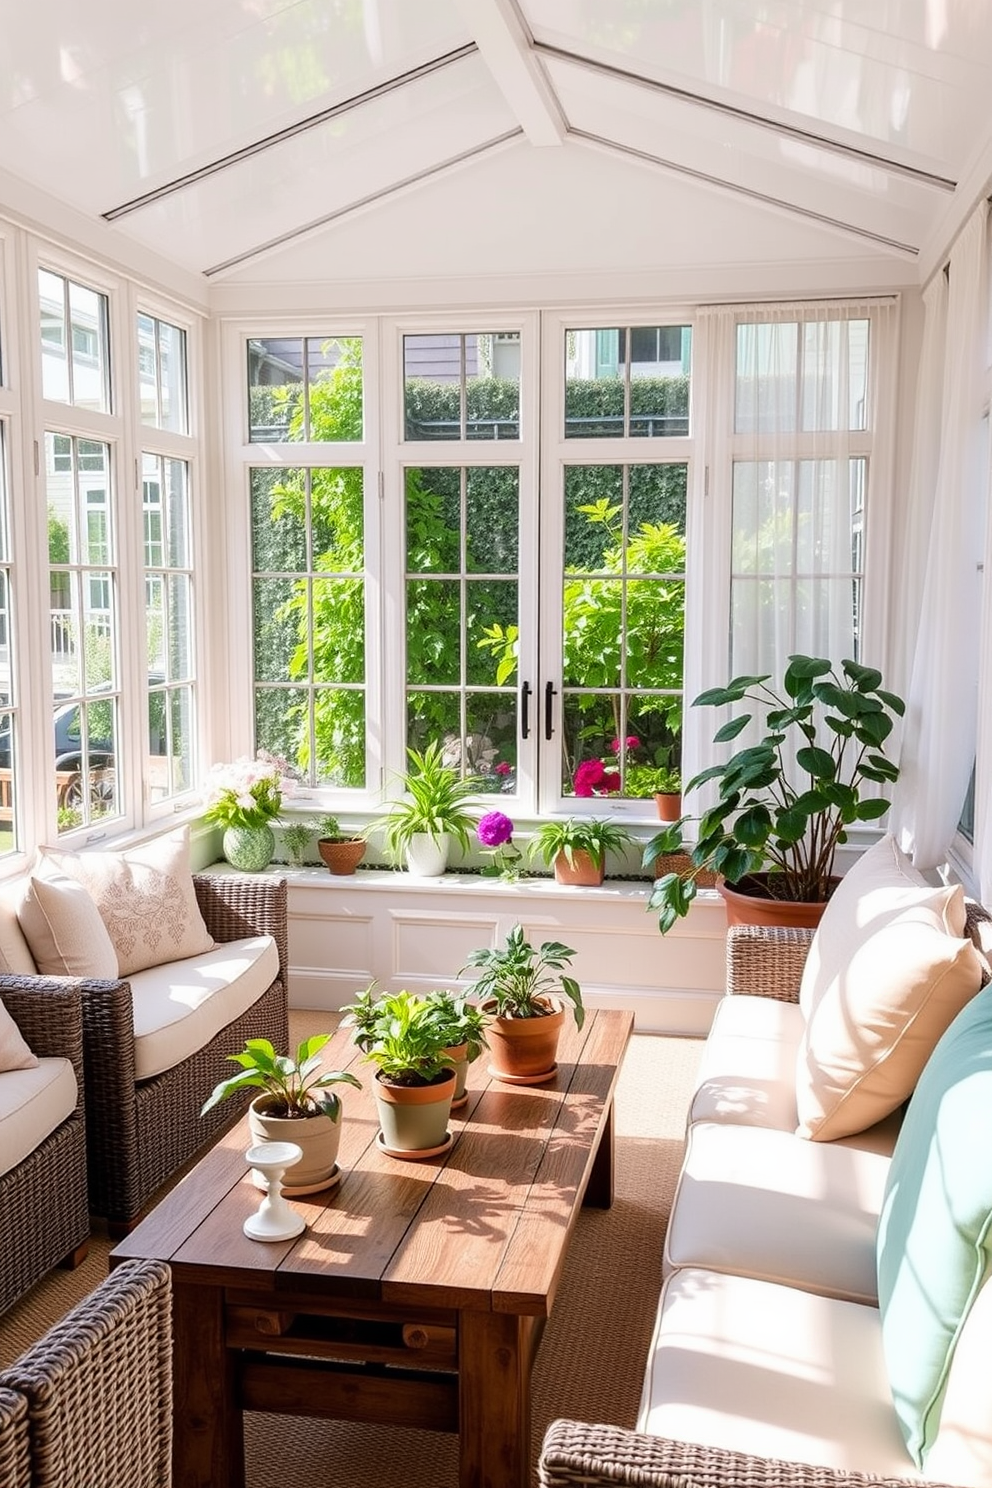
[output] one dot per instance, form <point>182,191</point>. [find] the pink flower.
<point>631,742</point>
<point>503,768</point>
<point>587,777</point>
<point>610,783</point>
<point>494,829</point>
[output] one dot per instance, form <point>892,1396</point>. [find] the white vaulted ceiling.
<point>254,141</point>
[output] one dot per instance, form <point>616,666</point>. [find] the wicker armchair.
<point>98,1388</point>
<point>44,1215</point>
<point>575,1453</point>
<point>15,1462</point>
<point>138,1134</point>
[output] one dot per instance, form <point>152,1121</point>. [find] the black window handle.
<point>525,692</point>
<point>550,692</point>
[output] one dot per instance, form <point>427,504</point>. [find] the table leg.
<point>208,1439</point>
<point>599,1189</point>
<point>494,1400</point>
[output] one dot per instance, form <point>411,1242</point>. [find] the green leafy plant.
<point>297,837</point>
<point>329,830</point>
<point>436,794</point>
<point>460,1021</point>
<point>652,780</point>
<point>298,1087</point>
<point>516,978</point>
<point>402,1034</point>
<point>594,835</point>
<point>769,816</point>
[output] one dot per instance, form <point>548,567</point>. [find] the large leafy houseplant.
<point>405,1036</point>
<point>784,804</point>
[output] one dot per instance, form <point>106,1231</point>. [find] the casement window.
<point>167,480</point>
<point>535,486</point>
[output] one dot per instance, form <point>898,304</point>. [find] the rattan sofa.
<point>765,1339</point>
<point>44,1216</point>
<point>138,1132</point>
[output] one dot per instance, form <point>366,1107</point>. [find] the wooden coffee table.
<point>419,1290</point>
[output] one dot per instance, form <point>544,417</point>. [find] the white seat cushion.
<point>770,1370</point>
<point>180,1006</point>
<point>33,1102</point>
<point>774,1206</point>
<point>747,1073</point>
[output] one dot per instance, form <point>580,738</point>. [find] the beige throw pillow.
<point>63,927</point>
<point>875,886</point>
<point>891,988</point>
<point>14,1051</point>
<point>145,897</point>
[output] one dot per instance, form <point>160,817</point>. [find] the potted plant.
<point>297,836</point>
<point>464,1028</point>
<point>244,798</point>
<point>784,803</point>
<point>577,847</point>
<point>520,990</point>
<point>660,781</point>
<point>403,1036</point>
<point>341,851</point>
<point>420,828</point>
<point>297,1105</point>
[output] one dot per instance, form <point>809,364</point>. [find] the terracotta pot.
<point>457,1059</point>
<point>524,1050</point>
<point>581,870</point>
<point>341,857</point>
<point>669,804</point>
<point>749,903</point>
<point>414,1118</point>
<point>318,1136</point>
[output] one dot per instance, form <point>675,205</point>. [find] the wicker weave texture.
<point>766,960</point>
<point>15,1469</point>
<point>138,1134</point>
<point>43,1200</point>
<point>99,1387</point>
<point>576,1453</point>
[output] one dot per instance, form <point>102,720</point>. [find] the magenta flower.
<point>631,742</point>
<point>503,768</point>
<point>587,777</point>
<point>610,783</point>
<point>494,829</point>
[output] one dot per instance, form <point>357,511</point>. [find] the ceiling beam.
<point>778,204</point>
<point>749,116</point>
<point>364,204</point>
<point>507,48</point>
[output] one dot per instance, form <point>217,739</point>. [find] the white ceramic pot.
<point>427,856</point>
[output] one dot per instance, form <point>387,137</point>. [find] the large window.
<point>75,363</point>
<point>8,715</point>
<point>533,603</point>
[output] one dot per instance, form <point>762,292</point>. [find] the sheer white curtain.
<point>792,428</point>
<point>802,438</point>
<point>912,534</point>
<point>942,703</point>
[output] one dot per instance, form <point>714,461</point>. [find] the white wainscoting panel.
<point>345,932</point>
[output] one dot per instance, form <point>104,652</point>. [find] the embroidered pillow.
<point>145,897</point>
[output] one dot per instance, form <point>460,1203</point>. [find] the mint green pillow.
<point>935,1231</point>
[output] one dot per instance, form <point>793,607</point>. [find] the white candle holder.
<point>274,1219</point>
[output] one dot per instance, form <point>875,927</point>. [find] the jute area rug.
<point>592,1356</point>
